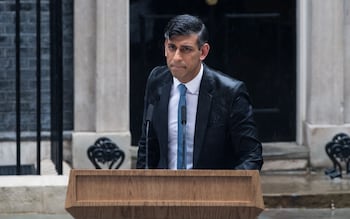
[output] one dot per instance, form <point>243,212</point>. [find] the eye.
<point>171,47</point>
<point>186,49</point>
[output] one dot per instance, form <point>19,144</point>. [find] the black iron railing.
<point>338,151</point>
<point>38,86</point>
<point>56,88</point>
<point>56,62</point>
<point>18,89</point>
<point>105,153</point>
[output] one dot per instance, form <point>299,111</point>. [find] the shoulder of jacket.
<point>158,77</point>
<point>159,72</point>
<point>222,80</point>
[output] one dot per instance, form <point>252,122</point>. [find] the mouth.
<point>176,67</point>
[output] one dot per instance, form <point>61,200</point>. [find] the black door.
<point>251,40</point>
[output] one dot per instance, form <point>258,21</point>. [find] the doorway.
<point>251,40</point>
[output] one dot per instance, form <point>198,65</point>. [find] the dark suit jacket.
<point>225,132</point>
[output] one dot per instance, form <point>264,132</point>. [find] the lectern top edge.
<point>165,172</point>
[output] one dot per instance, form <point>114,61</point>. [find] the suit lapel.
<point>203,110</point>
<point>161,113</point>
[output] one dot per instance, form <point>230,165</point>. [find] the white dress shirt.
<point>191,112</point>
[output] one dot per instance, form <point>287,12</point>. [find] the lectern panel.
<point>156,194</point>
<point>157,188</point>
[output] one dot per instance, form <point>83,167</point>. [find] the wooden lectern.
<point>164,194</point>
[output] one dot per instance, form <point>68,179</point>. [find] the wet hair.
<point>185,24</point>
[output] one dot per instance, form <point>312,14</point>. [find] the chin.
<point>176,72</point>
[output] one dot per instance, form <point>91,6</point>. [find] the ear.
<point>204,51</point>
<point>165,43</point>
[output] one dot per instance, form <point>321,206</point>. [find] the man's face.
<point>184,57</point>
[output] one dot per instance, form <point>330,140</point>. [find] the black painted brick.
<point>28,65</point>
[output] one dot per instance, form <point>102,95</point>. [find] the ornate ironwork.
<point>338,150</point>
<point>107,153</point>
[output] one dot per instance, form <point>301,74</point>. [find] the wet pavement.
<point>276,213</point>
<point>302,213</point>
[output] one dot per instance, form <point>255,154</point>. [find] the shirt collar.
<point>193,85</point>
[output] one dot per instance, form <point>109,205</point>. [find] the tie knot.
<point>182,89</point>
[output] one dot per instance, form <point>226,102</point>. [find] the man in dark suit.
<point>220,132</point>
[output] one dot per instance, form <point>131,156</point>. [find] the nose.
<point>177,55</point>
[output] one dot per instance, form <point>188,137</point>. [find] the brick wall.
<point>28,65</point>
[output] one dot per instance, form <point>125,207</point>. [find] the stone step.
<point>305,190</point>
<point>33,194</point>
<point>285,156</point>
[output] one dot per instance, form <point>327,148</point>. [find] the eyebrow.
<point>187,46</point>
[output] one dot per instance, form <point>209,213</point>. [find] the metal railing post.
<point>18,88</point>
<point>38,86</point>
<point>56,68</point>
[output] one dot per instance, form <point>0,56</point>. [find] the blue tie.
<point>181,128</point>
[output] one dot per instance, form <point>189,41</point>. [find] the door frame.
<point>302,67</point>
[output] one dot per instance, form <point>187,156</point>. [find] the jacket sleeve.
<point>152,142</point>
<point>244,132</point>
<point>141,154</point>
